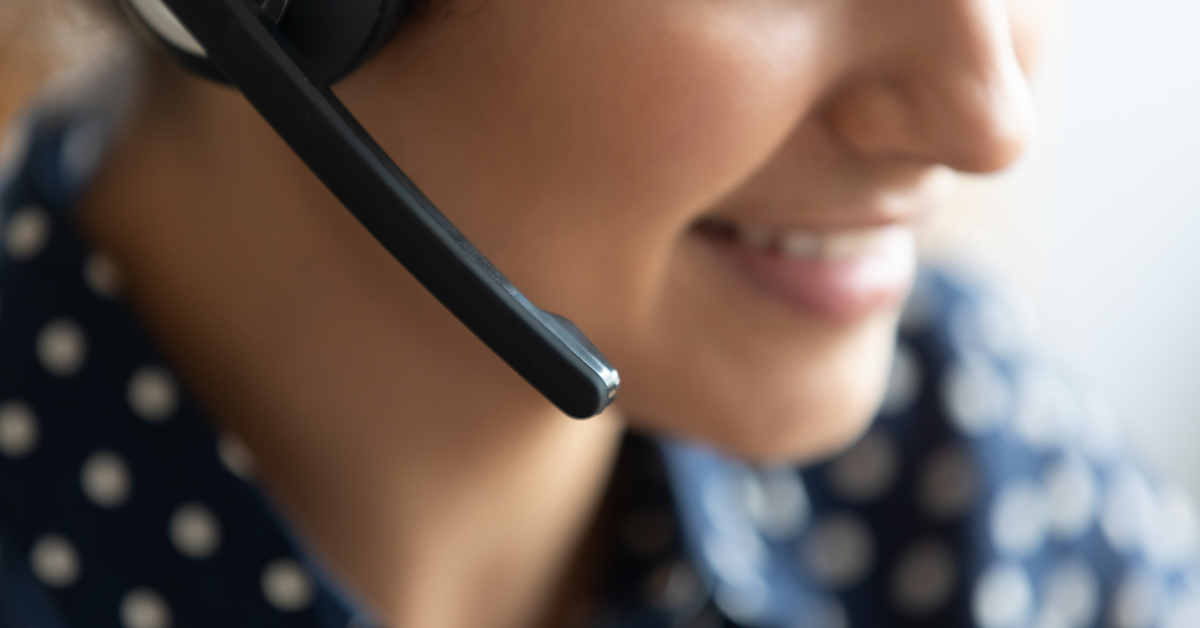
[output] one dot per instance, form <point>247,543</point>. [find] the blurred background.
<point>1097,230</point>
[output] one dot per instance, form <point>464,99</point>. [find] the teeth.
<point>801,244</point>
<point>831,246</point>
<point>851,244</point>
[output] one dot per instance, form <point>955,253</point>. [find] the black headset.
<point>282,54</point>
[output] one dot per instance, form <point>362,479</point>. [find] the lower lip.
<point>840,291</point>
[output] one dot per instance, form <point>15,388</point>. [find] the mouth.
<point>840,275</point>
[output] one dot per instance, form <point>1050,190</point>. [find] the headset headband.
<point>241,41</point>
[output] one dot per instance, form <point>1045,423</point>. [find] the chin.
<point>800,410</point>
<point>803,431</point>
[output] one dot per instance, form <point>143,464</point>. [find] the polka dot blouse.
<point>990,492</point>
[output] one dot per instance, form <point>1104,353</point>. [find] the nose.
<point>935,80</point>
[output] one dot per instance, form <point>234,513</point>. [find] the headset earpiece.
<point>333,36</point>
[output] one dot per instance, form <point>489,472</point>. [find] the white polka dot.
<point>825,612</point>
<point>976,396</point>
<point>1047,410</point>
<point>106,479</point>
<point>736,556</point>
<point>1070,497</point>
<point>152,394</point>
<point>286,585</point>
<point>61,347</point>
<point>776,501</point>
<point>54,561</point>
<point>101,275</point>
<point>838,550</point>
<point>82,148</point>
<point>947,484</point>
<point>1003,597</point>
<point>1184,613</point>
<point>1050,617</point>
<point>721,497</point>
<point>1130,511</point>
<point>867,470</point>
<point>1072,594</point>
<point>1174,541</point>
<point>235,455</point>
<point>675,585</point>
<point>143,608</point>
<point>904,382</point>
<point>18,429</point>
<point>1136,603</point>
<point>923,579</point>
<point>988,324</point>
<point>1018,518</point>
<point>195,531</point>
<point>745,604</point>
<point>27,232</point>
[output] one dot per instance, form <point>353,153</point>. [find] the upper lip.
<point>897,206</point>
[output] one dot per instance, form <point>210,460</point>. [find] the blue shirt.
<point>991,490</point>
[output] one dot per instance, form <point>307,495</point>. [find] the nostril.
<point>873,119</point>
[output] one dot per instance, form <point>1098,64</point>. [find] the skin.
<point>577,144</point>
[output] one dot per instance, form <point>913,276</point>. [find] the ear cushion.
<point>333,36</point>
<point>336,36</point>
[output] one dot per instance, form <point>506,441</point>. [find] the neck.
<point>432,478</point>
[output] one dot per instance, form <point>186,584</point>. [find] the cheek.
<point>591,133</point>
<point>645,122</point>
<point>654,109</point>
<point>687,108</point>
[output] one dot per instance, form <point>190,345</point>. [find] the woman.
<point>721,194</point>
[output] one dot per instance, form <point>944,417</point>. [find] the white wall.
<point>1099,227</point>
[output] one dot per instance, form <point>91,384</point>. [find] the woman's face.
<point>720,193</point>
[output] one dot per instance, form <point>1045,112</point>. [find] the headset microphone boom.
<point>280,54</point>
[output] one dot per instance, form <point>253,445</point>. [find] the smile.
<point>839,275</point>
